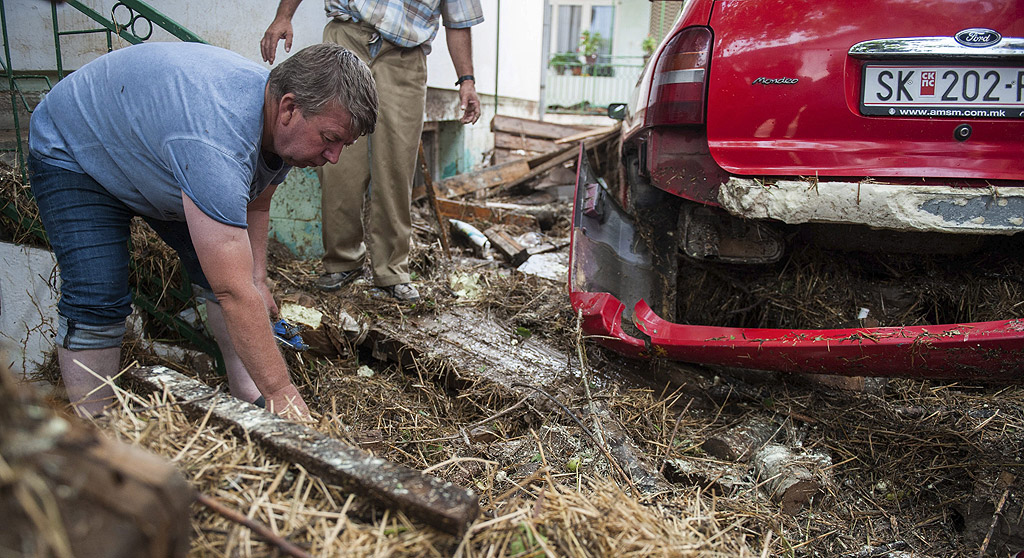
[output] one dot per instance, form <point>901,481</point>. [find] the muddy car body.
<point>763,131</point>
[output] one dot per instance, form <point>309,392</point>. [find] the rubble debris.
<point>301,309</point>
<point>465,211</point>
<point>442,505</point>
<point>553,266</point>
<point>787,476</point>
<point>470,348</point>
<point>513,252</point>
<point>480,244</point>
<point>994,515</point>
<point>70,491</point>
<point>740,442</point>
<point>532,137</point>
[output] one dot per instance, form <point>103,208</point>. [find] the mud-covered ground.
<point>898,467</point>
<point>911,468</point>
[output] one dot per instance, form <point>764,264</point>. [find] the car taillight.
<point>677,86</point>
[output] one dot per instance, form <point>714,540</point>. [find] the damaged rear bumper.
<point>613,277</point>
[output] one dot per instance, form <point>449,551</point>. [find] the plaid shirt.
<point>407,23</point>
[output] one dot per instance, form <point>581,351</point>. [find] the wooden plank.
<point>468,212</point>
<point>563,156</point>
<point>443,505</point>
<point>512,251</point>
<point>588,134</point>
<point>474,348</point>
<point>534,128</point>
<point>486,177</point>
<point>504,140</point>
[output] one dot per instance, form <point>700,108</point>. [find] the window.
<point>568,34</point>
<point>602,22</point>
<point>571,20</point>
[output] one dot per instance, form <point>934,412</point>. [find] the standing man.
<point>194,139</point>
<point>393,37</point>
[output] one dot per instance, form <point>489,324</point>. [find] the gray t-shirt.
<point>151,121</point>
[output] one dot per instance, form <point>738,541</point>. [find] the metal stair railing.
<point>132,21</point>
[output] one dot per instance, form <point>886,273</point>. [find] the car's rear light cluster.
<point>678,85</point>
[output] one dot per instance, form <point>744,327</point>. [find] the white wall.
<point>518,68</point>
<point>28,307</point>
<point>238,25</point>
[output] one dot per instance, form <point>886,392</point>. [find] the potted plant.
<point>590,44</point>
<point>648,45</point>
<point>563,61</point>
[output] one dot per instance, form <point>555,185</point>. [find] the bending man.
<point>194,139</point>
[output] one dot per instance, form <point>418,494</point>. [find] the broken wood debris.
<point>443,505</point>
<point>490,213</point>
<point>70,491</point>
<point>482,354</point>
<point>522,137</point>
<point>513,252</point>
<point>788,476</point>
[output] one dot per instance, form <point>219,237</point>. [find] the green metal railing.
<point>132,21</point>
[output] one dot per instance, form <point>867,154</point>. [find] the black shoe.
<point>335,281</point>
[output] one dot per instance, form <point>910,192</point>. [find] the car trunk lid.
<point>785,91</point>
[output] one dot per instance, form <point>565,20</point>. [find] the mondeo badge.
<point>978,37</point>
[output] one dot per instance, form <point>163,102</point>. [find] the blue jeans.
<point>89,231</point>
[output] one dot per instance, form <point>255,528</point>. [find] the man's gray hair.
<point>326,73</point>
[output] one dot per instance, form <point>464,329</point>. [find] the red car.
<point>777,153</point>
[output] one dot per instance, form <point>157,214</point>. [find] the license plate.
<point>943,91</point>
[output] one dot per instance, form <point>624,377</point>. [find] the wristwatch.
<point>467,77</point>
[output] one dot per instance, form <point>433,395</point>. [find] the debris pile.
<point>487,384</point>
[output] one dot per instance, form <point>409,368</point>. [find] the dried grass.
<point>904,459</point>
<point>811,288</point>
<point>541,513</point>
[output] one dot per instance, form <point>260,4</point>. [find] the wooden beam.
<point>588,134</point>
<point>476,212</point>
<point>504,140</point>
<point>563,156</point>
<point>486,177</point>
<point>512,251</point>
<point>443,505</point>
<point>533,128</point>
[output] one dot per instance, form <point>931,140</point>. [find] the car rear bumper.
<point>929,208</point>
<point>613,276</point>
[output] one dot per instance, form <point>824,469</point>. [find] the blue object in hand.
<point>287,335</point>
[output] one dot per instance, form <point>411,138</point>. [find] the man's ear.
<point>287,109</point>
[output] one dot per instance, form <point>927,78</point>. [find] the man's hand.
<point>268,299</point>
<point>288,403</point>
<point>469,102</point>
<point>279,29</point>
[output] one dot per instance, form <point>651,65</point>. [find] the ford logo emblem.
<point>978,37</point>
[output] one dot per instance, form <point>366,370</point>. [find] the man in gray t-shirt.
<point>194,139</point>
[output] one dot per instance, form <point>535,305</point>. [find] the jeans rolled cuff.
<point>76,336</point>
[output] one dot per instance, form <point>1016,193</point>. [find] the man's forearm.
<point>246,318</point>
<point>460,48</point>
<point>258,231</point>
<point>286,9</point>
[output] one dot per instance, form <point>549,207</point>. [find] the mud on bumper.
<point>615,275</point>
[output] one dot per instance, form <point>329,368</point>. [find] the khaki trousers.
<point>384,162</point>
